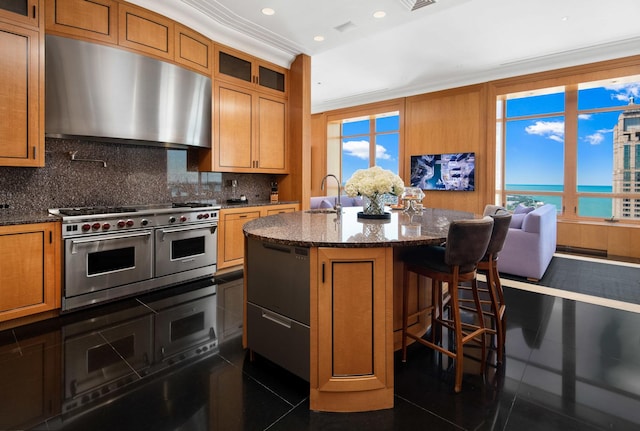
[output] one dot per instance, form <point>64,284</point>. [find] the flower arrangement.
<point>373,182</point>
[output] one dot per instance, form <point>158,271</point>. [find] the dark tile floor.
<point>569,366</point>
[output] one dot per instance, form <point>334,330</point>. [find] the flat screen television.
<point>454,171</point>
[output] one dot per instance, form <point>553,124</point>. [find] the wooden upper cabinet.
<point>145,31</point>
<point>21,93</point>
<point>271,135</point>
<point>250,132</point>
<point>95,19</point>
<point>193,50</point>
<point>233,128</point>
<point>240,68</point>
<point>21,11</point>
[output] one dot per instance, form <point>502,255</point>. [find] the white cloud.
<point>360,149</point>
<point>624,92</point>
<point>584,117</point>
<point>598,137</point>
<point>381,153</point>
<point>553,130</point>
<point>595,139</point>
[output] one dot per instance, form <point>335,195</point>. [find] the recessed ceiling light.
<point>379,14</point>
<point>268,11</point>
<point>564,18</point>
<point>318,38</point>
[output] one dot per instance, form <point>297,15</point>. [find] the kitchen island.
<point>349,272</point>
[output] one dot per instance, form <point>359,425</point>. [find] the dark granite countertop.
<point>327,229</point>
<point>10,217</point>
<point>256,204</point>
<point>13,217</point>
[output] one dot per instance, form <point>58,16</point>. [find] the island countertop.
<point>328,229</point>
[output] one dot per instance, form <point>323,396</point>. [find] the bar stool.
<point>489,266</point>
<point>467,242</point>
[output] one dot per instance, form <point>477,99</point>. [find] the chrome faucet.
<point>338,205</point>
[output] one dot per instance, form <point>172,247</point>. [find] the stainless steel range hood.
<point>96,92</point>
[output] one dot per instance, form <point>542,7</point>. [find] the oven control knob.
<point>106,226</point>
<point>129,223</point>
<point>86,227</point>
<point>96,226</point>
<point>144,222</point>
<point>206,215</point>
<point>200,216</point>
<point>172,219</point>
<point>121,223</point>
<point>183,218</point>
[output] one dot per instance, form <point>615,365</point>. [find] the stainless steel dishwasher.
<point>278,304</point>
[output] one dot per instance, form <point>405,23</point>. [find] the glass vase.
<point>373,205</point>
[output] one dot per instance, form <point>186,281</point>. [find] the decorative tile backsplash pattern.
<point>134,175</point>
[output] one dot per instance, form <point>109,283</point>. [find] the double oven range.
<point>113,252</point>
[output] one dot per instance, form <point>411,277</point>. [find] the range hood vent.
<point>96,92</point>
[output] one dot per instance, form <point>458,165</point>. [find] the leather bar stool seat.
<point>454,263</point>
<point>492,297</point>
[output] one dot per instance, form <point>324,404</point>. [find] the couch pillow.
<point>521,209</point>
<point>326,204</point>
<point>516,221</point>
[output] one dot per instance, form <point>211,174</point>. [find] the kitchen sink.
<point>321,211</point>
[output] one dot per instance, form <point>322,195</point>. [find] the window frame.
<point>334,135</point>
<point>570,195</point>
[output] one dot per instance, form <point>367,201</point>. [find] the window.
<point>364,141</point>
<point>577,147</point>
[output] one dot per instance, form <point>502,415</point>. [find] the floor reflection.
<point>175,362</point>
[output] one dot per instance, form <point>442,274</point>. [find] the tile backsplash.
<point>133,175</point>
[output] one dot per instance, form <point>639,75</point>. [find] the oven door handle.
<point>212,226</point>
<point>77,242</point>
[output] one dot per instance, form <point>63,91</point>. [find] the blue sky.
<point>535,147</point>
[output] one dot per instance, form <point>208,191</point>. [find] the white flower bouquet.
<point>373,182</point>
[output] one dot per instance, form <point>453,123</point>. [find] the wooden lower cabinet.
<point>351,329</point>
<point>231,236</point>
<point>30,269</point>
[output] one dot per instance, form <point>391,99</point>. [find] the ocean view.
<point>588,207</point>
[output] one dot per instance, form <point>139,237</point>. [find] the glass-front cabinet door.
<point>244,69</point>
<point>24,11</point>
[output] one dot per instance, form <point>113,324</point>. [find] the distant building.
<point>626,163</point>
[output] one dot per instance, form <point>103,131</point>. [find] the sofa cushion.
<point>516,221</point>
<point>326,204</point>
<point>521,209</point>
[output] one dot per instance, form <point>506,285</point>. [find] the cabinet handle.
<point>276,319</point>
<point>242,216</point>
<point>34,11</point>
<point>323,272</point>
<point>50,237</point>
<point>35,152</point>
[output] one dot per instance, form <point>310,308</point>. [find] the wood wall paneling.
<point>448,122</point>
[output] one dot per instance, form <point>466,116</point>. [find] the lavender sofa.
<point>327,202</point>
<point>530,243</point>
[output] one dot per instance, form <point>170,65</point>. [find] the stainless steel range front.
<point>112,252</point>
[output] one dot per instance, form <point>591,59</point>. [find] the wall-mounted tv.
<point>444,171</point>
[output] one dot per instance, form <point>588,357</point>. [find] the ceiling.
<point>446,44</point>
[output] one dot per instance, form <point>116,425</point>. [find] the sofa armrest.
<point>542,219</point>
